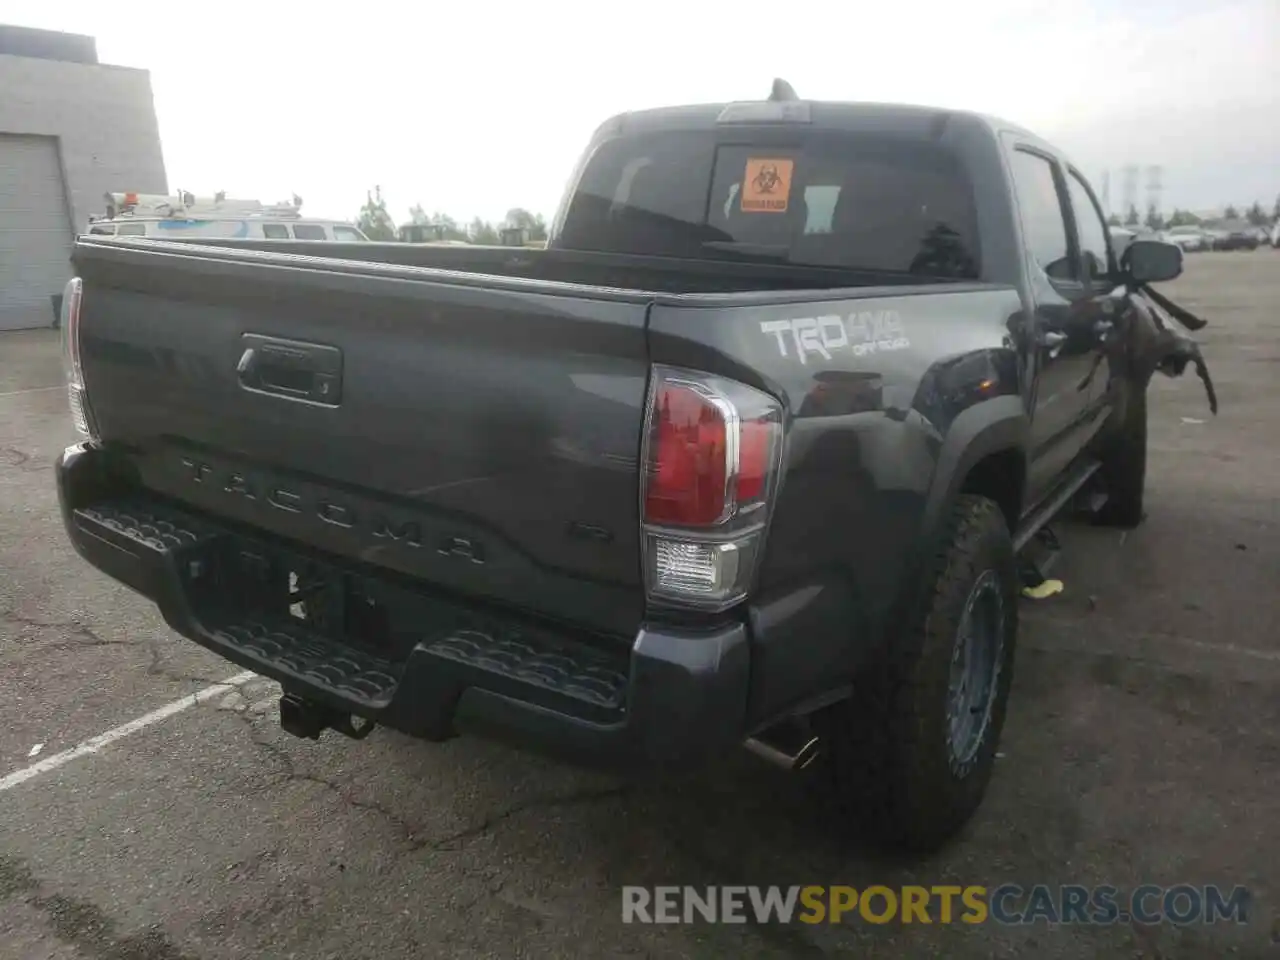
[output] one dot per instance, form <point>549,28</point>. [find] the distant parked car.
<point>1189,238</point>
<point>1233,237</point>
<point>1236,236</point>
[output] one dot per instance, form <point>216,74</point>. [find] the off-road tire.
<point>886,766</point>
<point>1124,466</point>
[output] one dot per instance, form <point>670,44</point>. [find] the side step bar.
<point>1033,522</point>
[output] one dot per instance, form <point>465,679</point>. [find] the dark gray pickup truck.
<point>746,455</point>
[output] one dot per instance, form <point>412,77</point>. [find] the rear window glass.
<point>832,201</point>
<point>308,231</point>
<point>132,230</point>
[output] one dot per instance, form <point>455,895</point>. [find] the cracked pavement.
<point>1143,745</point>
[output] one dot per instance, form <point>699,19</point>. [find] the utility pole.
<point>1129,190</point>
<point>1155,186</point>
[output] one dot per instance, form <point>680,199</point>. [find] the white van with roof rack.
<point>186,215</point>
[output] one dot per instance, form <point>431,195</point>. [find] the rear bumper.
<point>673,699</point>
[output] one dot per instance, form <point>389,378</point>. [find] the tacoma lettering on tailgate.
<point>364,519</point>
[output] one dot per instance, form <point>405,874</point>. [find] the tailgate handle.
<point>292,369</point>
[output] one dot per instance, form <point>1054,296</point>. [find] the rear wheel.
<point>908,757</point>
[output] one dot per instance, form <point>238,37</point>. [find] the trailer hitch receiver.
<point>307,719</point>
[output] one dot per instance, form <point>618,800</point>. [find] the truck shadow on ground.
<point>1102,780</point>
<point>740,821</point>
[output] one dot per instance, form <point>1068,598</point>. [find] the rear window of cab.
<point>830,200</point>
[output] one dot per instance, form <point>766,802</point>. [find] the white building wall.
<point>103,118</point>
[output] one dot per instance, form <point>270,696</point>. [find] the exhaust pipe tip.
<point>808,754</point>
<point>788,749</point>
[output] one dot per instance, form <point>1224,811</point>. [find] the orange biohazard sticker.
<point>766,185</point>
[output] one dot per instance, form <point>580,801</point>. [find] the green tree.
<point>1256,215</point>
<point>448,227</point>
<point>535,227</point>
<point>1154,220</point>
<point>445,227</point>
<point>1131,218</point>
<point>1182,218</point>
<point>374,221</point>
<point>415,232</point>
<point>1231,213</point>
<point>483,232</point>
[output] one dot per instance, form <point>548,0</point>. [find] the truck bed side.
<point>890,397</point>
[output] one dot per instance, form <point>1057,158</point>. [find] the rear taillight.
<point>72,368</point>
<point>711,465</point>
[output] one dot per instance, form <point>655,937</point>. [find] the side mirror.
<point>1151,261</point>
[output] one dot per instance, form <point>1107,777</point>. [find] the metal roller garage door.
<point>35,231</point>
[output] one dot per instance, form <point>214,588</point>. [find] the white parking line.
<point>19,393</point>
<point>1089,638</point>
<point>94,744</point>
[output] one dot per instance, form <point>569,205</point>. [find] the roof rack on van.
<point>185,205</point>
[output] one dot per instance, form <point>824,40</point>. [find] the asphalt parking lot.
<point>1142,746</point>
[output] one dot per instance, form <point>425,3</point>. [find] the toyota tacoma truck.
<point>746,455</point>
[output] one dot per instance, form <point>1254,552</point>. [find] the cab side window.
<point>275,231</point>
<point>1091,230</point>
<point>308,231</point>
<point>1044,224</point>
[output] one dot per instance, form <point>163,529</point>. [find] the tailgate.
<point>478,434</point>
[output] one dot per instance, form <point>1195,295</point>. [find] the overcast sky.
<point>474,107</point>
